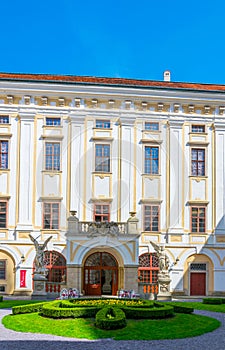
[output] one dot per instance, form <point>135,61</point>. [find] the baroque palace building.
<point>104,166</point>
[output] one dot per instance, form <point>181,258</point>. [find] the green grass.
<point>8,304</point>
<point>201,306</point>
<point>180,326</point>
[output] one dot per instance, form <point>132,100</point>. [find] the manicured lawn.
<point>7,304</point>
<point>201,306</point>
<point>180,326</point>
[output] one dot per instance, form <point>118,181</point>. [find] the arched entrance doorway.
<point>100,274</point>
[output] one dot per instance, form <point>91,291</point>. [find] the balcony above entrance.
<point>104,228</point>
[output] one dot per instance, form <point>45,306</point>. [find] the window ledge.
<point>151,141</point>
<point>102,138</point>
<point>52,172</point>
<point>197,143</point>
<point>150,200</point>
<point>50,199</point>
<point>52,137</point>
<point>101,173</point>
<point>5,135</point>
<point>198,202</point>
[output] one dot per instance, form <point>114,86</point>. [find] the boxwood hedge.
<point>214,301</point>
<point>56,311</point>
<point>26,309</point>
<point>1,298</point>
<point>110,318</point>
<point>156,312</point>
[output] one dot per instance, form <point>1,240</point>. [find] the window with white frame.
<point>51,216</point>
<point>198,219</point>
<point>151,218</point>
<point>102,124</point>
<point>151,160</point>
<point>198,162</point>
<point>3,213</point>
<point>2,269</point>
<point>53,121</point>
<point>152,126</point>
<point>52,156</point>
<point>102,158</point>
<point>4,154</point>
<point>4,119</point>
<point>197,128</point>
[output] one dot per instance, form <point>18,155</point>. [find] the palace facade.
<point>104,166</point>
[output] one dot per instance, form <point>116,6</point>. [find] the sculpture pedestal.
<point>39,292</point>
<point>164,293</point>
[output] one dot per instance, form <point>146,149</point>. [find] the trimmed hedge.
<point>110,318</point>
<point>163,311</point>
<point>179,309</point>
<point>1,298</point>
<point>214,301</point>
<point>56,311</point>
<point>103,303</point>
<point>183,309</point>
<point>26,309</point>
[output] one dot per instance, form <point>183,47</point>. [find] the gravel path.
<point>11,340</point>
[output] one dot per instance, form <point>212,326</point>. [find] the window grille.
<point>198,267</point>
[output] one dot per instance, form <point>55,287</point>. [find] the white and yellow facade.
<point>189,122</point>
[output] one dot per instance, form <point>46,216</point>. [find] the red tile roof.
<point>109,81</point>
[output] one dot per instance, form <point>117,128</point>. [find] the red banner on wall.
<point>23,278</point>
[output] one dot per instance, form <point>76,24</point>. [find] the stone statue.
<point>163,258</point>
<point>39,258</point>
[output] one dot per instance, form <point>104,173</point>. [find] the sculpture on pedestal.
<point>40,271</point>
<point>39,257</point>
<point>163,275</point>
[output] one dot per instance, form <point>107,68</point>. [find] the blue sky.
<point>119,38</point>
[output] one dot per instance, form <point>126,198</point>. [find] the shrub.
<point>213,301</point>
<point>162,311</point>
<point>1,298</point>
<point>110,318</point>
<point>26,309</point>
<point>183,309</point>
<point>56,311</point>
<point>106,302</point>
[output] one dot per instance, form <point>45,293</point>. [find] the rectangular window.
<point>152,126</point>
<point>102,158</point>
<point>151,160</point>
<point>151,218</point>
<point>2,269</point>
<point>3,214</point>
<point>101,213</point>
<point>52,156</point>
<point>198,128</point>
<point>4,119</point>
<point>53,121</point>
<point>197,162</point>
<point>51,216</point>
<point>198,219</point>
<point>103,124</point>
<point>4,155</point>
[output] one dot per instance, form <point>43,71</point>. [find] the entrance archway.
<point>100,274</point>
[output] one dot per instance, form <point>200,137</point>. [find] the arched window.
<point>56,265</point>
<point>148,268</point>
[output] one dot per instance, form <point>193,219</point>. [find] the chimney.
<point>166,75</point>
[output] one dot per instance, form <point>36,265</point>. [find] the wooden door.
<point>198,283</point>
<point>101,274</point>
